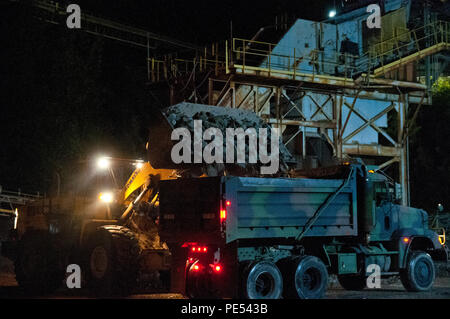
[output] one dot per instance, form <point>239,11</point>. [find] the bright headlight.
<point>139,164</point>
<point>103,162</point>
<point>106,197</point>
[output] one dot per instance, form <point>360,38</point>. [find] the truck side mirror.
<point>440,208</point>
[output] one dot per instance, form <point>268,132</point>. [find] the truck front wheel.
<point>419,273</point>
<point>262,280</point>
<point>305,277</point>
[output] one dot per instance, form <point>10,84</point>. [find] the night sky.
<point>67,96</point>
<point>204,21</point>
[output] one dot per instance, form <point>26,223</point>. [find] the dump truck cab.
<point>402,226</point>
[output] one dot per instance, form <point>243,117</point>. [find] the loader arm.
<point>140,177</point>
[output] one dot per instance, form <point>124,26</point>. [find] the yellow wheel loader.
<point>112,237</point>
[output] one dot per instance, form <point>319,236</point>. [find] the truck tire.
<point>112,261</point>
<point>198,285</point>
<point>262,280</point>
<point>38,265</point>
<point>352,282</point>
<point>419,273</point>
<point>305,277</point>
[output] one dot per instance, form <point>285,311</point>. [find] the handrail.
<point>272,59</point>
<point>265,56</point>
<point>419,40</point>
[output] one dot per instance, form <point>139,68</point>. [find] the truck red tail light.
<point>197,249</point>
<point>196,267</point>
<point>223,211</point>
<point>223,215</point>
<point>217,268</point>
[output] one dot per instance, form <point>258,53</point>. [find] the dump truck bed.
<point>281,207</point>
<point>257,208</point>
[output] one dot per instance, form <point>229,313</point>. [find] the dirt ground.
<point>390,288</point>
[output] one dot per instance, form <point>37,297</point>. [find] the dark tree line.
<point>65,96</point>
<point>430,152</point>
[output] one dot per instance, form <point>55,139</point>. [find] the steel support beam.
<point>403,165</point>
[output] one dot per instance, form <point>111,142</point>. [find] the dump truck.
<point>250,236</point>
<point>258,238</point>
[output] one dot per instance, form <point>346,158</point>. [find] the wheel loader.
<point>111,237</point>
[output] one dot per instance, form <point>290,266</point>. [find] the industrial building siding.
<point>280,208</point>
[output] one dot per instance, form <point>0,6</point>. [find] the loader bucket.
<point>184,114</point>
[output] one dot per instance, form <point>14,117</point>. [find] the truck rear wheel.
<point>419,273</point>
<point>112,261</point>
<point>262,280</point>
<point>38,265</point>
<point>198,283</point>
<point>305,277</point>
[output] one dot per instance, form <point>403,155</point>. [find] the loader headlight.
<point>103,163</point>
<point>106,197</point>
<point>139,164</point>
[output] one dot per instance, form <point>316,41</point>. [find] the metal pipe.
<point>403,84</point>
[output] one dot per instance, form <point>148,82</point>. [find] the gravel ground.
<point>390,288</point>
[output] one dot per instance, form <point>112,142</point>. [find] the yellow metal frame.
<point>439,40</point>
<point>140,176</point>
<point>240,53</point>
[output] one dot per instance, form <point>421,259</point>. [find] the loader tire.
<point>305,277</point>
<point>112,261</point>
<point>419,273</point>
<point>261,280</point>
<point>38,265</point>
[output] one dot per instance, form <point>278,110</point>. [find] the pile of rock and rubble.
<point>184,114</point>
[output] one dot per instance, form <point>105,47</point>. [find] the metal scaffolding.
<point>297,93</point>
<point>250,75</point>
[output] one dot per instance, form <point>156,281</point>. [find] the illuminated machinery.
<point>333,89</point>
<point>93,226</point>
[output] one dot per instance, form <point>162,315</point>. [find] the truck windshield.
<point>382,192</point>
